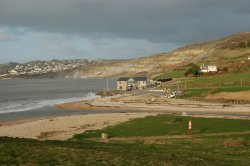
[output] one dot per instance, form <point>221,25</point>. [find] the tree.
<point>194,70</point>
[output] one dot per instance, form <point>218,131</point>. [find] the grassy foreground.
<point>223,149</point>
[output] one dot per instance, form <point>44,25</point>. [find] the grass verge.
<point>213,150</point>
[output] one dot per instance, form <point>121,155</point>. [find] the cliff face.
<point>230,52</point>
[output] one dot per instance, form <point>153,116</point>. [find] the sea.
<point>32,98</point>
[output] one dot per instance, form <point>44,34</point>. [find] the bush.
<point>245,44</point>
<point>194,70</point>
<point>224,69</point>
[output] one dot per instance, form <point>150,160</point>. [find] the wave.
<point>9,107</point>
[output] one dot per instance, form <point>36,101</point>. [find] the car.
<point>173,94</point>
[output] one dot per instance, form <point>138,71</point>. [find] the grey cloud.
<point>165,21</point>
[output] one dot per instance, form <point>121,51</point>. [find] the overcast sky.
<point>70,29</point>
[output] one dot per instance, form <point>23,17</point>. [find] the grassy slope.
<point>172,74</point>
<point>200,86</point>
<point>228,79</point>
<point>79,151</point>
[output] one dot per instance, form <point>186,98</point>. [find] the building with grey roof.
<point>132,83</point>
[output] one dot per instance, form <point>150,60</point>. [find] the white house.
<point>208,68</point>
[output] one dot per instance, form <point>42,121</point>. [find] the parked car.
<point>174,94</point>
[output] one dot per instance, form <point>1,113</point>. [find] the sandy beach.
<point>62,128</point>
<point>143,104</point>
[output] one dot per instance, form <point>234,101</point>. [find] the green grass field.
<point>169,125</point>
<point>225,149</point>
<point>200,86</point>
<point>201,92</point>
<point>228,79</point>
<point>172,74</point>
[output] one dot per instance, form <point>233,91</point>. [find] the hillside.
<point>228,53</point>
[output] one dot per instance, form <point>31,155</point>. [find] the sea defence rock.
<point>108,93</point>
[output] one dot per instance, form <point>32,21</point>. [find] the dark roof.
<point>164,79</point>
<point>140,78</point>
<point>124,78</point>
<point>135,78</point>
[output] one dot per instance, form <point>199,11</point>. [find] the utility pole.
<point>107,84</point>
<point>178,88</point>
<point>107,88</point>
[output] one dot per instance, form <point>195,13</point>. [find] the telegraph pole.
<point>107,88</point>
<point>178,88</point>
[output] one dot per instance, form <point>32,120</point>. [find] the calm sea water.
<point>38,94</point>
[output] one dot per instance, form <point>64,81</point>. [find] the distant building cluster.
<point>43,67</point>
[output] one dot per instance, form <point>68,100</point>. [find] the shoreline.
<point>107,111</point>
<point>148,102</point>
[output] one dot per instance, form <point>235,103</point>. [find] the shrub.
<point>194,70</point>
<point>224,69</point>
<point>244,44</point>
